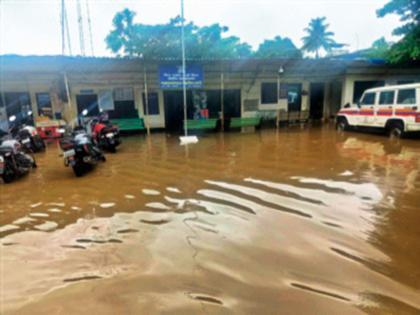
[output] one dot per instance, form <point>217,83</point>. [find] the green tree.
<point>408,10</point>
<point>408,48</point>
<point>318,37</point>
<point>278,47</point>
<point>120,39</point>
<point>163,40</point>
<point>379,49</point>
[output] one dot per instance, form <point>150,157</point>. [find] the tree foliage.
<point>319,38</point>
<point>408,48</point>
<point>164,40</point>
<point>408,10</point>
<point>278,48</point>
<point>128,38</point>
<point>379,49</point>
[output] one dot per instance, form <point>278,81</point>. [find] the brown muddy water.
<point>290,222</point>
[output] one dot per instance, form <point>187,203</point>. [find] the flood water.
<point>300,221</point>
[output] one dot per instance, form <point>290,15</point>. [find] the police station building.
<point>60,88</point>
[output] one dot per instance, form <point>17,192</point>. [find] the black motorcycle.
<point>27,135</point>
<point>14,162</point>
<point>30,139</point>
<point>80,153</point>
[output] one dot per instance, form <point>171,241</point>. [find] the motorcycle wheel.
<point>78,169</point>
<point>8,177</point>
<point>112,149</point>
<point>42,144</point>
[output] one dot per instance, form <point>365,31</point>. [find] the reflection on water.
<point>300,221</point>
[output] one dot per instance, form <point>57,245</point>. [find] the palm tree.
<point>318,37</point>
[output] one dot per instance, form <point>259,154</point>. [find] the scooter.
<point>105,135</point>
<point>79,152</point>
<point>14,162</point>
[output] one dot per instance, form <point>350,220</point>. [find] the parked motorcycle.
<point>79,152</point>
<point>14,162</point>
<point>104,134</point>
<point>27,135</point>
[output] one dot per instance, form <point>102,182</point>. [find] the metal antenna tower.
<point>65,33</point>
<point>90,27</point>
<point>81,34</point>
<point>63,40</point>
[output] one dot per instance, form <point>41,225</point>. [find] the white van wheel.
<point>396,130</point>
<point>342,124</point>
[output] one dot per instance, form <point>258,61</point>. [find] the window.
<point>405,82</point>
<point>124,94</point>
<point>153,102</point>
<point>44,105</point>
<point>368,99</point>
<point>361,86</point>
<point>17,103</point>
<point>407,96</point>
<point>268,93</point>
<point>294,96</point>
<point>386,98</point>
<point>105,100</point>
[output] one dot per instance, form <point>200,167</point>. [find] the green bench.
<point>201,124</point>
<point>239,122</point>
<point>129,124</point>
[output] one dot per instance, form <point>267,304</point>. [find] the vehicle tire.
<point>8,177</point>
<point>396,130</point>
<point>78,169</point>
<point>342,124</point>
<point>103,158</point>
<point>112,149</point>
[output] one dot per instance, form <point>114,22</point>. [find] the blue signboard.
<point>170,77</point>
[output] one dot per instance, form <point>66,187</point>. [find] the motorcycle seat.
<point>5,149</point>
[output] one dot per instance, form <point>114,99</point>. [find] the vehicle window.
<point>386,98</point>
<point>368,99</point>
<point>407,96</point>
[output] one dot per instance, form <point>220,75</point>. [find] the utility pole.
<point>222,100</point>
<point>184,85</point>
<point>146,99</point>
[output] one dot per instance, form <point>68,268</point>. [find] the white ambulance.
<point>394,109</point>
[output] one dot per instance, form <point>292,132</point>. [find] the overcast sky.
<point>33,26</point>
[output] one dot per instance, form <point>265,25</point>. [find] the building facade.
<point>62,87</point>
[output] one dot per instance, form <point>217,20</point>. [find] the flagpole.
<point>184,87</point>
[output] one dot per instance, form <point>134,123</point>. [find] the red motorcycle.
<point>105,135</point>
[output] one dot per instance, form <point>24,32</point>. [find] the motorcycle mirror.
<point>12,118</point>
<point>84,112</point>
